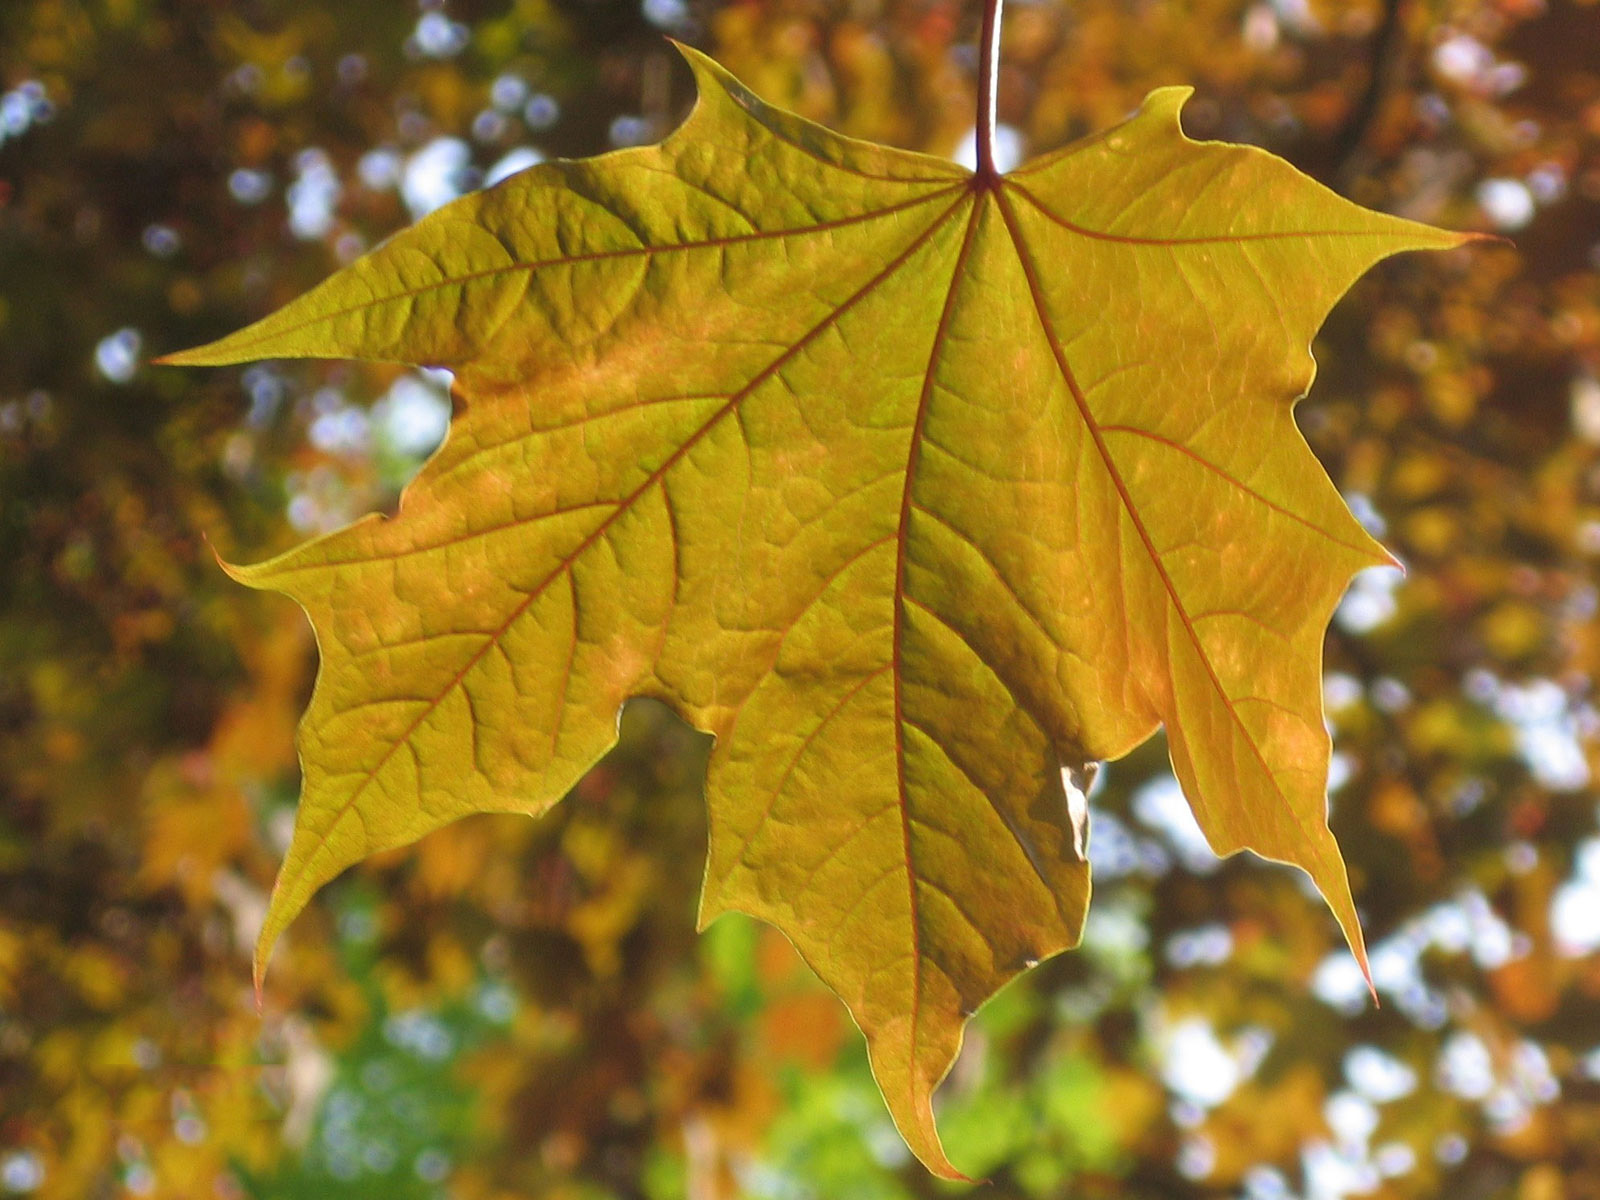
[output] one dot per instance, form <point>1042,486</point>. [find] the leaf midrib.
<point>1207,239</point>
<point>1095,432</point>
<point>913,454</point>
<point>532,265</point>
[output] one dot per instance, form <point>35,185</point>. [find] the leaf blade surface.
<point>915,489</point>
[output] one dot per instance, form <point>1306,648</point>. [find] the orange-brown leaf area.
<point>521,1009</point>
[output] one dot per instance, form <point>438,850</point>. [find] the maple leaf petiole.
<point>988,84</point>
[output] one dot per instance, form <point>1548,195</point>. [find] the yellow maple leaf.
<point>920,488</point>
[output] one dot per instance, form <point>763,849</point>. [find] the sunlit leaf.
<point>920,490</point>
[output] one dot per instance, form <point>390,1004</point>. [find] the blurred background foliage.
<point>522,1009</point>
